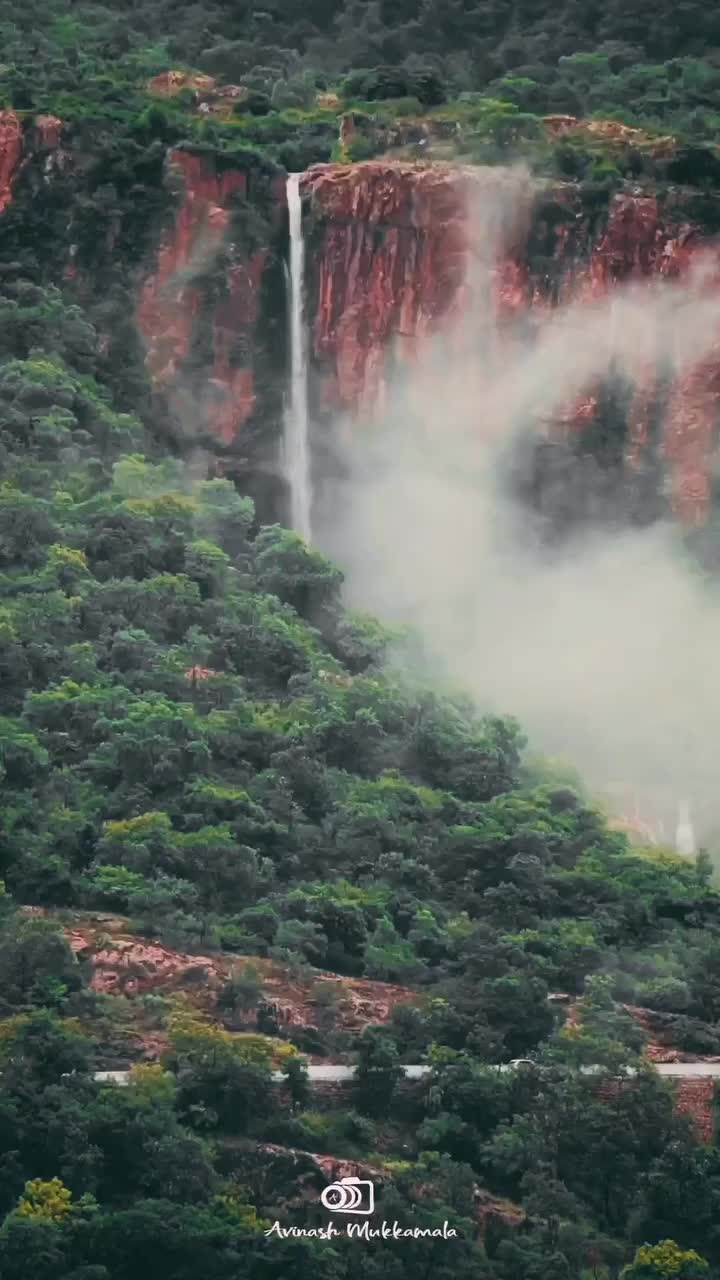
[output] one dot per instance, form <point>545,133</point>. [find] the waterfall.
<point>685,833</point>
<point>297,450</point>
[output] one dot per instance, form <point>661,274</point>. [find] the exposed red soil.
<point>696,1099</point>
<point>124,964</point>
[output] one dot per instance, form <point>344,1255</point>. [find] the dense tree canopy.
<point>202,747</point>
<point>195,733</point>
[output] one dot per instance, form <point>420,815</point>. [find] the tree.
<point>603,1034</point>
<point>157,1239</point>
<point>49,1201</point>
<point>704,980</point>
<point>679,1194</point>
<point>665,1261</point>
<point>550,1204</point>
<point>224,516</point>
<point>37,967</point>
<point>230,1074</point>
<point>296,1075</point>
<point>599,1135</point>
<point>242,991</point>
<point>378,1072</point>
<point>32,1245</point>
<point>38,1049</point>
<point>23,761</point>
<point>176,1164</point>
<point>288,569</point>
<point>303,936</point>
<point>26,529</point>
<point>390,957</point>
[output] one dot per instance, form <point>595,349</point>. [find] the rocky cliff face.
<point>211,310</point>
<point>399,250</point>
<point>11,150</point>
<point>397,253</point>
<point>18,144</point>
<point>388,254</point>
<point>177,258</point>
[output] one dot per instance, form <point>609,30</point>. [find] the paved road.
<point>334,1073</point>
<point>686,1069</point>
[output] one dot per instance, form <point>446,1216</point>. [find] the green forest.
<point>657,61</point>
<point>485,72</point>
<point>203,748</point>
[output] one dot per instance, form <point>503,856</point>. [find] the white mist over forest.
<point>605,647</point>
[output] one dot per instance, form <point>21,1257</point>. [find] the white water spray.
<point>685,832</point>
<point>604,643</point>
<point>297,449</point>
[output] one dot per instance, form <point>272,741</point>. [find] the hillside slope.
<point>242,826</point>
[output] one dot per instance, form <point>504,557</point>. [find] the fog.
<point>605,646</point>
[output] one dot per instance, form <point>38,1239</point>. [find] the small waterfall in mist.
<point>297,449</point>
<point>684,832</point>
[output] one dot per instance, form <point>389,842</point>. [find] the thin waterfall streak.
<point>297,445</point>
<point>685,831</point>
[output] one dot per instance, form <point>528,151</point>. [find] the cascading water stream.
<point>297,448</point>
<point>685,831</point>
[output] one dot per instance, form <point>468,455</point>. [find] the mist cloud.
<point>605,648</point>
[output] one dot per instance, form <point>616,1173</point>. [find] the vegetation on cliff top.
<point>493,70</point>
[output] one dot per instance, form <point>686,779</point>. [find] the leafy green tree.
<point>304,936</point>
<point>704,981</point>
<point>37,966</point>
<point>32,1244</point>
<point>39,1048</point>
<point>300,577</point>
<point>23,761</point>
<point>378,1072</point>
<point>296,1075</point>
<point>242,991</point>
<point>389,957</point>
<point>665,1261</point>
<point>224,516</point>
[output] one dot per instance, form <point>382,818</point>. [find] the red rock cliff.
<point>11,150</point>
<point>395,250</point>
<point>43,134</point>
<point>392,262</point>
<point>199,309</point>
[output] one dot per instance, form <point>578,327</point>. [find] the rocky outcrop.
<point>211,310</point>
<point>128,966</point>
<point>203,91</point>
<point>49,131</point>
<point>124,964</point>
<point>333,1168</point>
<point>613,132</point>
<point>11,151</point>
<point>17,143</point>
<point>168,84</point>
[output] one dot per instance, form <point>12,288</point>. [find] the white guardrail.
<point>337,1073</point>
